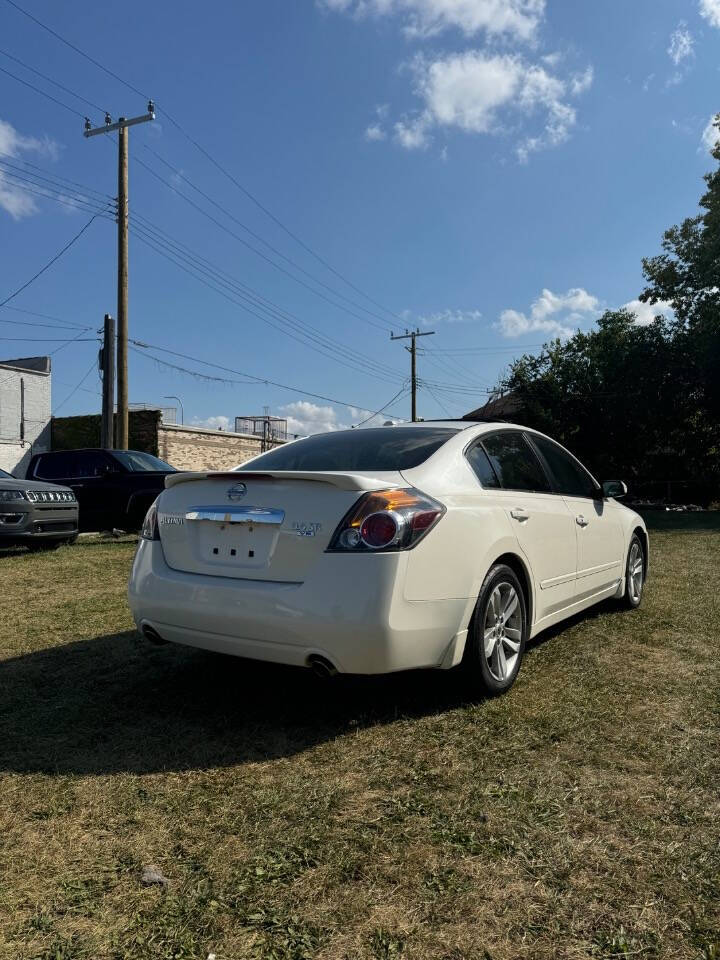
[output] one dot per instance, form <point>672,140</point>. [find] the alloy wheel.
<point>636,570</point>
<point>502,631</point>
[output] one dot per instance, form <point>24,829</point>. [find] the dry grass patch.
<point>576,817</point>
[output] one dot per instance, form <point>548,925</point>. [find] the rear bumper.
<point>23,522</point>
<point>351,611</point>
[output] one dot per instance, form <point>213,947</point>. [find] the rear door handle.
<point>581,521</point>
<point>519,513</point>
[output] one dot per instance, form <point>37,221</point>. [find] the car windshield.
<point>376,448</point>
<point>6,476</point>
<point>138,462</point>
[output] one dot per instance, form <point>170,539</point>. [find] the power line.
<point>256,236</point>
<point>49,263</point>
<point>60,182</point>
<point>93,366</point>
<point>73,47</point>
<point>45,316</point>
<point>241,373</point>
<point>55,83</point>
<point>73,204</point>
<point>245,243</point>
<point>270,312</point>
<point>397,396</point>
<point>48,339</point>
<point>57,193</point>
<point>210,158</point>
<point>42,92</point>
<point>275,219</point>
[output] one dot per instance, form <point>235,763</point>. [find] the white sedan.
<point>432,544</point>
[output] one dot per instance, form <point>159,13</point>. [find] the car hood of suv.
<point>13,484</point>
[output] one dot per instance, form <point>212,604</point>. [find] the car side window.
<point>515,463</point>
<point>90,464</point>
<point>480,463</point>
<point>54,466</point>
<point>571,478</point>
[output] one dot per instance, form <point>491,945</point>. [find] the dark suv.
<point>114,487</point>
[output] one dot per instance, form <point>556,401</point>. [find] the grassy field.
<point>577,817</point>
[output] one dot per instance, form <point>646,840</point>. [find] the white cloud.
<point>413,134</point>
<point>710,135</point>
<point>13,198</point>
<point>576,300</point>
<point>558,314</point>
<point>681,44</point>
<point>646,312</point>
<point>514,18</point>
<point>451,317</point>
<point>213,423</point>
<point>479,92</point>
<point>710,9</point>
<point>375,132</point>
<point>307,418</point>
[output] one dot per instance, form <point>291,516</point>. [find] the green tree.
<point>643,402</point>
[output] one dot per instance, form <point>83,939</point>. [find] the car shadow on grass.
<point>117,703</point>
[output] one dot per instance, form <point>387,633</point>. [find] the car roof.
<point>460,424</point>
<point>90,450</point>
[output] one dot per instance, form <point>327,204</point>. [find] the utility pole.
<point>121,439</point>
<point>108,383</point>
<point>412,335</point>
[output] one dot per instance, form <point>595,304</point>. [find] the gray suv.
<point>39,516</point>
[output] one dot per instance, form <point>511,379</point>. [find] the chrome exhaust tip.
<point>151,634</point>
<point>321,667</point>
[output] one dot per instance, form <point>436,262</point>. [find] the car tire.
<point>498,633</point>
<point>634,574</point>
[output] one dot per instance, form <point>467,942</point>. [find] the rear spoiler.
<point>343,481</point>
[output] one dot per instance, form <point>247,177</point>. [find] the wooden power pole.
<point>108,383</point>
<point>123,219</point>
<point>122,290</point>
<point>412,335</point>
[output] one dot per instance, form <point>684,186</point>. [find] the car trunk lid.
<point>257,526</point>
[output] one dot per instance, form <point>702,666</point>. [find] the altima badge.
<point>237,492</point>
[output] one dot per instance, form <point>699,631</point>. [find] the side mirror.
<point>614,488</point>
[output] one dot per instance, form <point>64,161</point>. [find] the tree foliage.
<point>642,402</point>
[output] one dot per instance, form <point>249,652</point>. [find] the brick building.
<point>25,403</point>
<point>187,448</point>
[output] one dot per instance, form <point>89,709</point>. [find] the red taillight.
<point>149,529</point>
<point>387,520</point>
<point>379,530</point>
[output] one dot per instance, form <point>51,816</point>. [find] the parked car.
<point>39,516</point>
<point>113,487</point>
<point>383,549</point>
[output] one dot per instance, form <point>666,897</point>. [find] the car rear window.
<point>376,448</point>
<point>138,462</point>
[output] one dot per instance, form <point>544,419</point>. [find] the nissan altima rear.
<point>301,556</point>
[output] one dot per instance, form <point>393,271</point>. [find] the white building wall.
<point>16,449</point>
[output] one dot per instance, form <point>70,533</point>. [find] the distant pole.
<point>411,335</point>
<point>172,396</point>
<point>122,125</point>
<point>108,383</point>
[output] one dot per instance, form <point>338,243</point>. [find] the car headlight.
<point>6,495</point>
<point>50,496</point>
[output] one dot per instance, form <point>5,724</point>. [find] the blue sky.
<point>493,170</point>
